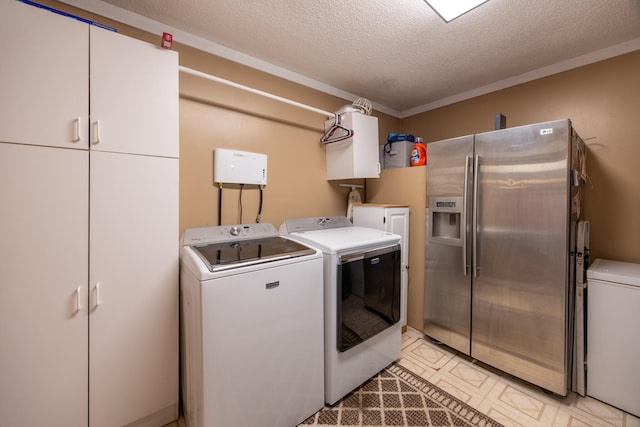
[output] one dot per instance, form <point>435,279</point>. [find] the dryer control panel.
<point>298,225</point>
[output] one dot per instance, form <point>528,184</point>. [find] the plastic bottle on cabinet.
<point>419,153</point>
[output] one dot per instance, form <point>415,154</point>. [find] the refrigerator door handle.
<point>474,224</point>
<point>465,198</point>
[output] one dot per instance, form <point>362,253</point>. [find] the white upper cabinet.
<point>43,77</point>
<point>134,92</point>
<point>357,156</point>
<point>50,66</point>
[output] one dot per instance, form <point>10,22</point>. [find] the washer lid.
<point>625,273</point>
<point>227,255</point>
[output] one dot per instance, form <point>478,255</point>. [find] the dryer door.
<point>369,295</point>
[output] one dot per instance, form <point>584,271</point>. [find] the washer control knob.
<point>235,230</point>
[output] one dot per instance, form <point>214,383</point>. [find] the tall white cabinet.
<point>392,218</point>
<point>89,219</point>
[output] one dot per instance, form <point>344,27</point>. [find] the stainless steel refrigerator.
<point>499,262</point>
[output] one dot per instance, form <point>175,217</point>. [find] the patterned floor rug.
<point>398,397</point>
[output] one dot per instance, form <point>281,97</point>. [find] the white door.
<point>397,222</point>
<point>134,96</point>
<point>133,355</point>
<point>44,86</point>
<point>43,286</point>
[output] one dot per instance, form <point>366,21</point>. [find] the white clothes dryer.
<point>362,294</point>
<point>252,327</point>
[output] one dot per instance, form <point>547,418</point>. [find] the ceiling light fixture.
<point>449,10</point>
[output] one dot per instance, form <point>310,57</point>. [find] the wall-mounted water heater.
<point>239,167</point>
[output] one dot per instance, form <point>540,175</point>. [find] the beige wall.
<point>602,99</point>
<point>213,115</point>
<point>603,102</point>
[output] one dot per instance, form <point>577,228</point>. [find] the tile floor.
<point>501,396</point>
<point>504,398</point>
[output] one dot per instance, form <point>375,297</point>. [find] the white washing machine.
<point>252,327</point>
<point>362,294</point>
<point>613,348</point>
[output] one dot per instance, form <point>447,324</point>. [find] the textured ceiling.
<point>399,53</point>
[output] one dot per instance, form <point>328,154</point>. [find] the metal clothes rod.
<point>252,90</point>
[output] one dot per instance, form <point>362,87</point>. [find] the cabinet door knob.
<point>96,132</point>
<point>77,301</point>
<point>97,300</point>
<point>76,130</point>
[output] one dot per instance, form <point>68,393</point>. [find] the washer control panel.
<point>223,233</point>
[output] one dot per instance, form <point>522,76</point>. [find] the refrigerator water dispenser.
<point>446,220</point>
